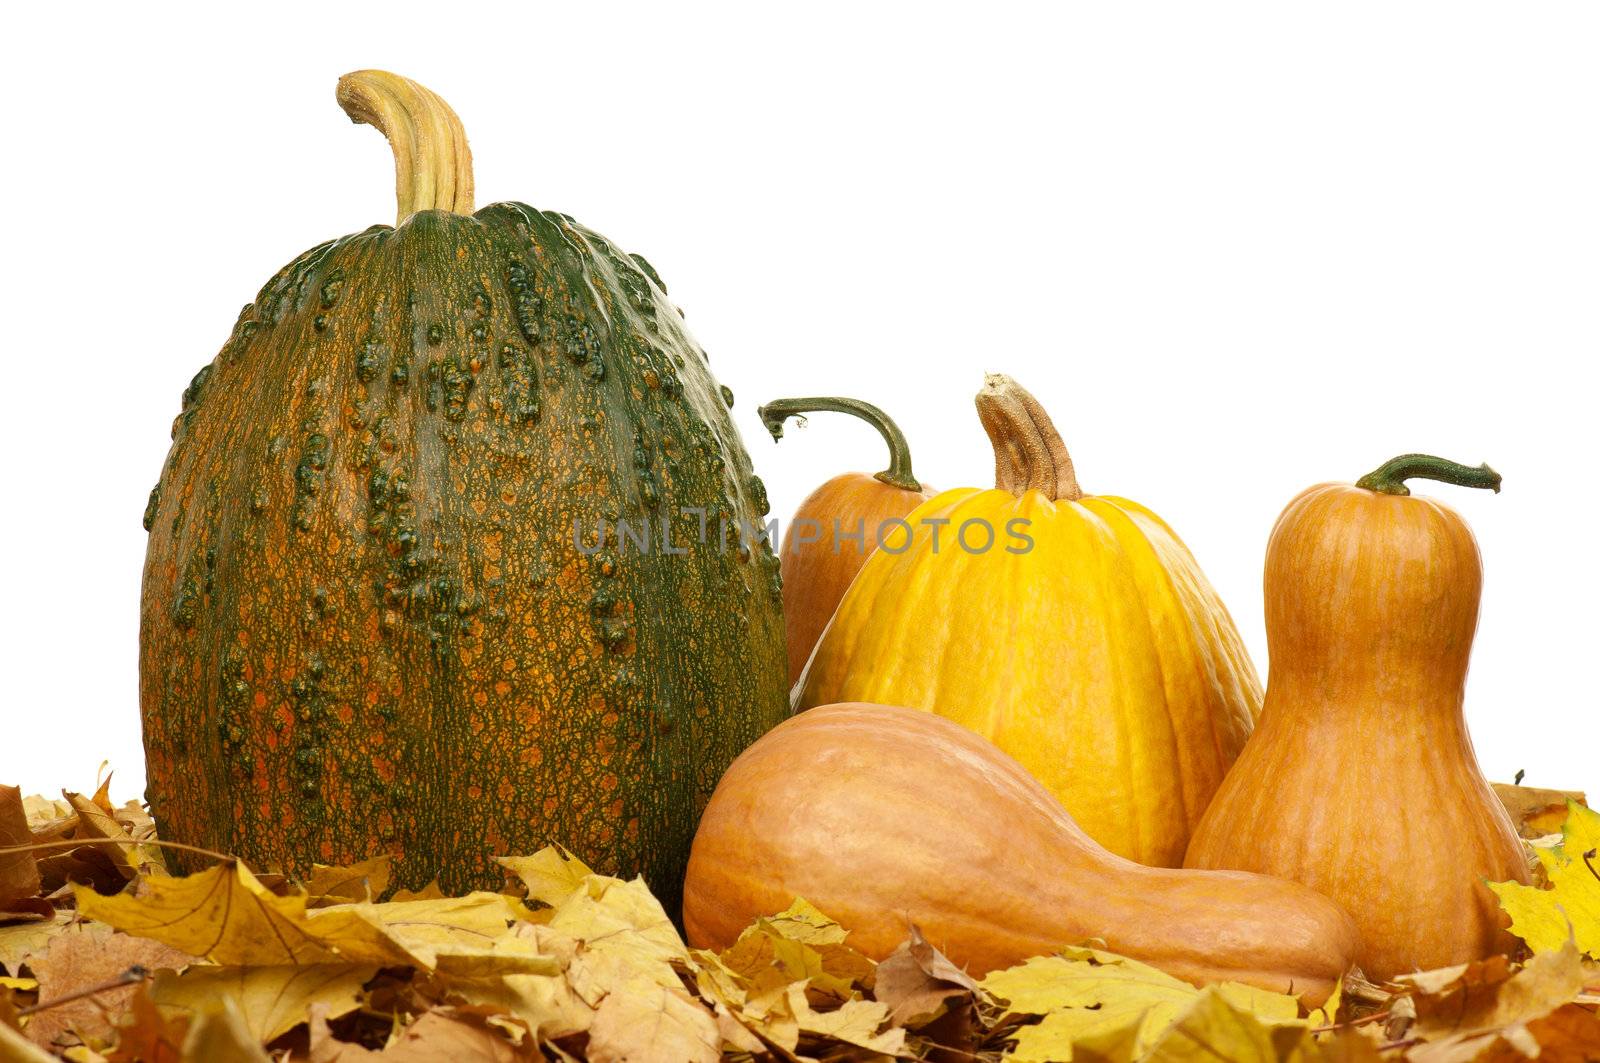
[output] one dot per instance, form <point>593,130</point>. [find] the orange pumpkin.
<point>1360,779</point>
<point>838,524</point>
<point>884,816</point>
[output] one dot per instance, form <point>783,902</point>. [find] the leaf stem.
<point>73,843</point>
<point>131,976</point>
<point>1377,1016</point>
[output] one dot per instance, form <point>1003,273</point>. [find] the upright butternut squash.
<point>1361,779</point>
<point>837,526</point>
<point>1074,631</point>
<point>881,816</point>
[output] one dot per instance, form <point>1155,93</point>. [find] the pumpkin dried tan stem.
<point>1028,452</point>
<point>432,163</point>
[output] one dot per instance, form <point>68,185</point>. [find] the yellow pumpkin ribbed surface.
<point>1084,641</point>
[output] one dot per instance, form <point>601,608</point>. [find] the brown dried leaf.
<point>918,983</point>
<point>28,910</point>
<point>86,956</point>
<point>135,819</point>
<point>454,1034</point>
<point>1360,1045</point>
<point>144,1035</point>
<point>1536,812</point>
<point>19,872</point>
<point>1487,995</point>
<point>1570,1034</point>
<point>96,824</point>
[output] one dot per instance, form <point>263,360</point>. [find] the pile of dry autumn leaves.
<point>103,956</point>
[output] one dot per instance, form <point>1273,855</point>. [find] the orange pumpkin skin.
<point>1360,779</point>
<point>838,525</point>
<point>818,563</point>
<point>883,816</point>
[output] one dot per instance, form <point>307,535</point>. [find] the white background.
<point>1236,248</point>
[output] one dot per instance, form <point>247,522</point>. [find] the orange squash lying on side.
<point>881,815</point>
<point>1360,779</point>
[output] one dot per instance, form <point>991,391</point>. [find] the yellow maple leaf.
<point>623,936</point>
<point>227,916</point>
<point>798,944</point>
<point>1216,1027</point>
<point>1570,909</point>
<point>658,1023</point>
<point>221,1034</point>
<point>551,875</point>
<point>342,883</point>
<point>271,1000</point>
<point>604,938</point>
<point>1124,1007</point>
<point>547,1004</point>
<point>855,1022</point>
<point>20,940</point>
<point>469,935</point>
<point>15,1048</point>
<point>782,977</point>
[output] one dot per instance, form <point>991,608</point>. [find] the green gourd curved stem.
<point>1390,477</point>
<point>898,474</point>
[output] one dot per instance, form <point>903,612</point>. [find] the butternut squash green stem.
<point>1390,477</point>
<point>898,474</point>
<point>432,163</point>
<point>1028,452</point>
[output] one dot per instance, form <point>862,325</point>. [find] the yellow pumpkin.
<point>1074,631</point>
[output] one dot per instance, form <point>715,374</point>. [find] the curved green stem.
<point>1390,477</point>
<point>898,474</point>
